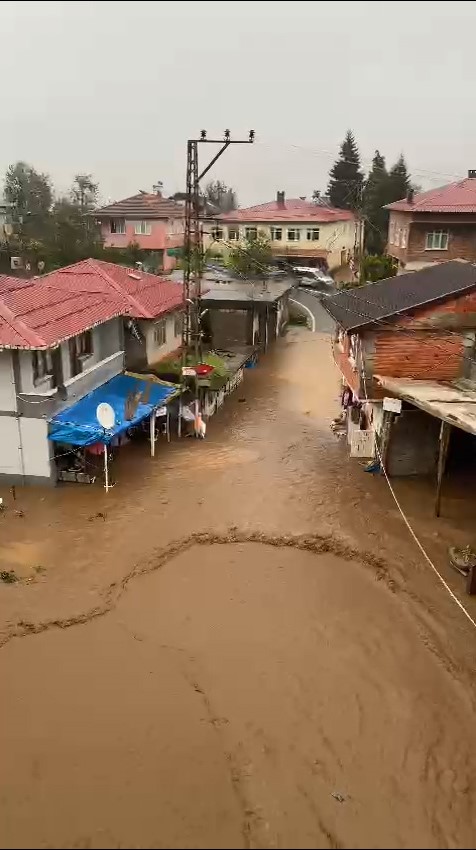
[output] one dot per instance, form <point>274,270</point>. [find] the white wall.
<point>157,352</point>
<point>36,447</point>
<point>10,456</point>
<point>334,237</point>
<point>8,399</point>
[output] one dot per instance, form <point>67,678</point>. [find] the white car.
<point>310,276</point>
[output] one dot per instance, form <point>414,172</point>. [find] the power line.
<point>429,335</point>
<point>407,521</point>
<point>366,161</point>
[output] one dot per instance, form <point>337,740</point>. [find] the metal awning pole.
<point>152,434</point>
<point>106,469</point>
<point>445,431</point>
<point>179,423</point>
<point>167,425</point>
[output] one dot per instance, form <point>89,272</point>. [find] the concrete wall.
<point>334,237</point>
<point>8,399</point>
<point>407,237</point>
<point>413,447</point>
<point>173,341</point>
<point>164,234</point>
<point>231,327</point>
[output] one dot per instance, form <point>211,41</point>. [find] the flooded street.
<point>239,645</point>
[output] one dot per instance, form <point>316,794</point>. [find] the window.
<point>404,237</point>
<point>437,240</point>
<point>217,233</point>
<point>117,225</point>
<point>233,234</point>
<point>178,323</point>
<point>398,231</point>
<point>391,233</point>
<point>251,232</point>
<point>42,363</point>
<point>80,347</point>
<point>276,234</point>
<point>312,234</point>
<point>142,228</point>
<point>294,234</point>
<point>160,332</point>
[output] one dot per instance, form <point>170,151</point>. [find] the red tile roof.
<point>454,198</point>
<point>294,209</point>
<point>143,205</point>
<point>41,312</point>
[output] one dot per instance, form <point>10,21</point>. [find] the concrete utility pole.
<point>193,252</point>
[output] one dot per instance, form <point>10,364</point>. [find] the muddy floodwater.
<point>239,645</point>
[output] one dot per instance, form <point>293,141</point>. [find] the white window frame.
<point>274,234</point>
<point>311,234</point>
<point>398,231</point>
<point>119,225</point>
<point>251,233</point>
<point>142,228</point>
<point>404,237</point>
<point>217,233</point>
<point>437,240</point>
<point>160,332</point>
<point>391,233</point>
<point>233,234</point>
<point>178,324</point>
<point>296,234</point>
<point>42,366</point>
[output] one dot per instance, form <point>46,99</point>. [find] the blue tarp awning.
<point>78,426</point>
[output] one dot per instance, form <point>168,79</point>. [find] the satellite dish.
<point>105,415</point>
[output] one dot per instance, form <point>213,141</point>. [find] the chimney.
<point>410,195</point>
<point>157,188</point>
<point>472,173</point>
<point>280,199</point>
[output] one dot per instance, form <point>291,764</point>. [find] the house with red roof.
<point>154,223</point>
<point>301,233</point>
<point>66,334</point>
<point>435,226</point>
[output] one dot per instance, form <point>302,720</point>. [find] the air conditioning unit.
<point>16,263</point>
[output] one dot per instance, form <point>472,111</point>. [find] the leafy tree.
<point>399,181</point>
<point>30,196</point>
<point>376,267</point>
<point>84,192</point>
<point>252,258</point>
<point>345,177</point>
<point>220,196</point>
<point>28,191</point>
<point>375,196</point>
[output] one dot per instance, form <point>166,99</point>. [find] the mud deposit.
<point>223,701</point>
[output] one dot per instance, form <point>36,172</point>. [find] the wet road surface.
<point>238,646</point>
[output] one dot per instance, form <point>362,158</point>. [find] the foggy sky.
<point>115,89</point>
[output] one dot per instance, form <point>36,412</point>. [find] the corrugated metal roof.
<point>364,305</point>
<point>43,311</point>
<point>293,209</point>
<point>457,197</point>
<point>454,402</point>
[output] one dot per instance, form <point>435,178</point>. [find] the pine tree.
<point>375,197</point>
<point>399,181</point>
<point>345,177</point>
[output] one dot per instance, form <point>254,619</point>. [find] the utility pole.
<point>193,251</point>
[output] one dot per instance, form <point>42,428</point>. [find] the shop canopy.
<point>78,426</point>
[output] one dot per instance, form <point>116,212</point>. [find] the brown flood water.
<point>243,632</point>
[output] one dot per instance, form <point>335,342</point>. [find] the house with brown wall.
<point>435,226</point>
<point>419,327</point>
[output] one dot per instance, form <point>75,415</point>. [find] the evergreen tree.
<point>374,198</point>
<point>345,177</point>
<point>399,181</point>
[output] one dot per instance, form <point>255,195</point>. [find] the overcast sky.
<point>115,89</point>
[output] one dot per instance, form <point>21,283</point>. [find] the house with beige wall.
<point>300,232</point>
